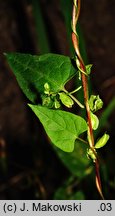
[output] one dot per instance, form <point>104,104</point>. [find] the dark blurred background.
<point>29,166</point>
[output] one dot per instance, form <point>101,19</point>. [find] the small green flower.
<point>91,155</point>
<point>66,100</point>
<point>56,104</point>
<point>47,101</point>
<point>47,88</point>
<point>88,68</point>
<point>94,121</point>
<point>102,141</point>
<point>98,103</point>
<point>95,103</point>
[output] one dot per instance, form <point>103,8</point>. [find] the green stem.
<point>74,98</point>
<point>80,139</point>
<point>76,101</point>
<point>75,90</point>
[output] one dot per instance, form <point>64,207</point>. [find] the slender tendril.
<point>80,64</point>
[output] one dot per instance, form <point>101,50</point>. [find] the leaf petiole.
<point>72,92</point>
<point>82,140</point>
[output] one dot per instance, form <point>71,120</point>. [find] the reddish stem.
<point>75,15</point>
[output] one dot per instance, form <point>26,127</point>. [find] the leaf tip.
<point>30,105</point>
<point>7,55</point>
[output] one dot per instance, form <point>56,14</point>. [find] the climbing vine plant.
<point>46,76</point>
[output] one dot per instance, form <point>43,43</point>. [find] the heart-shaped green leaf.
<point>62,127</point>
<point>32,72</point>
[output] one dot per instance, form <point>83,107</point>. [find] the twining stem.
<point>80,64</point>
